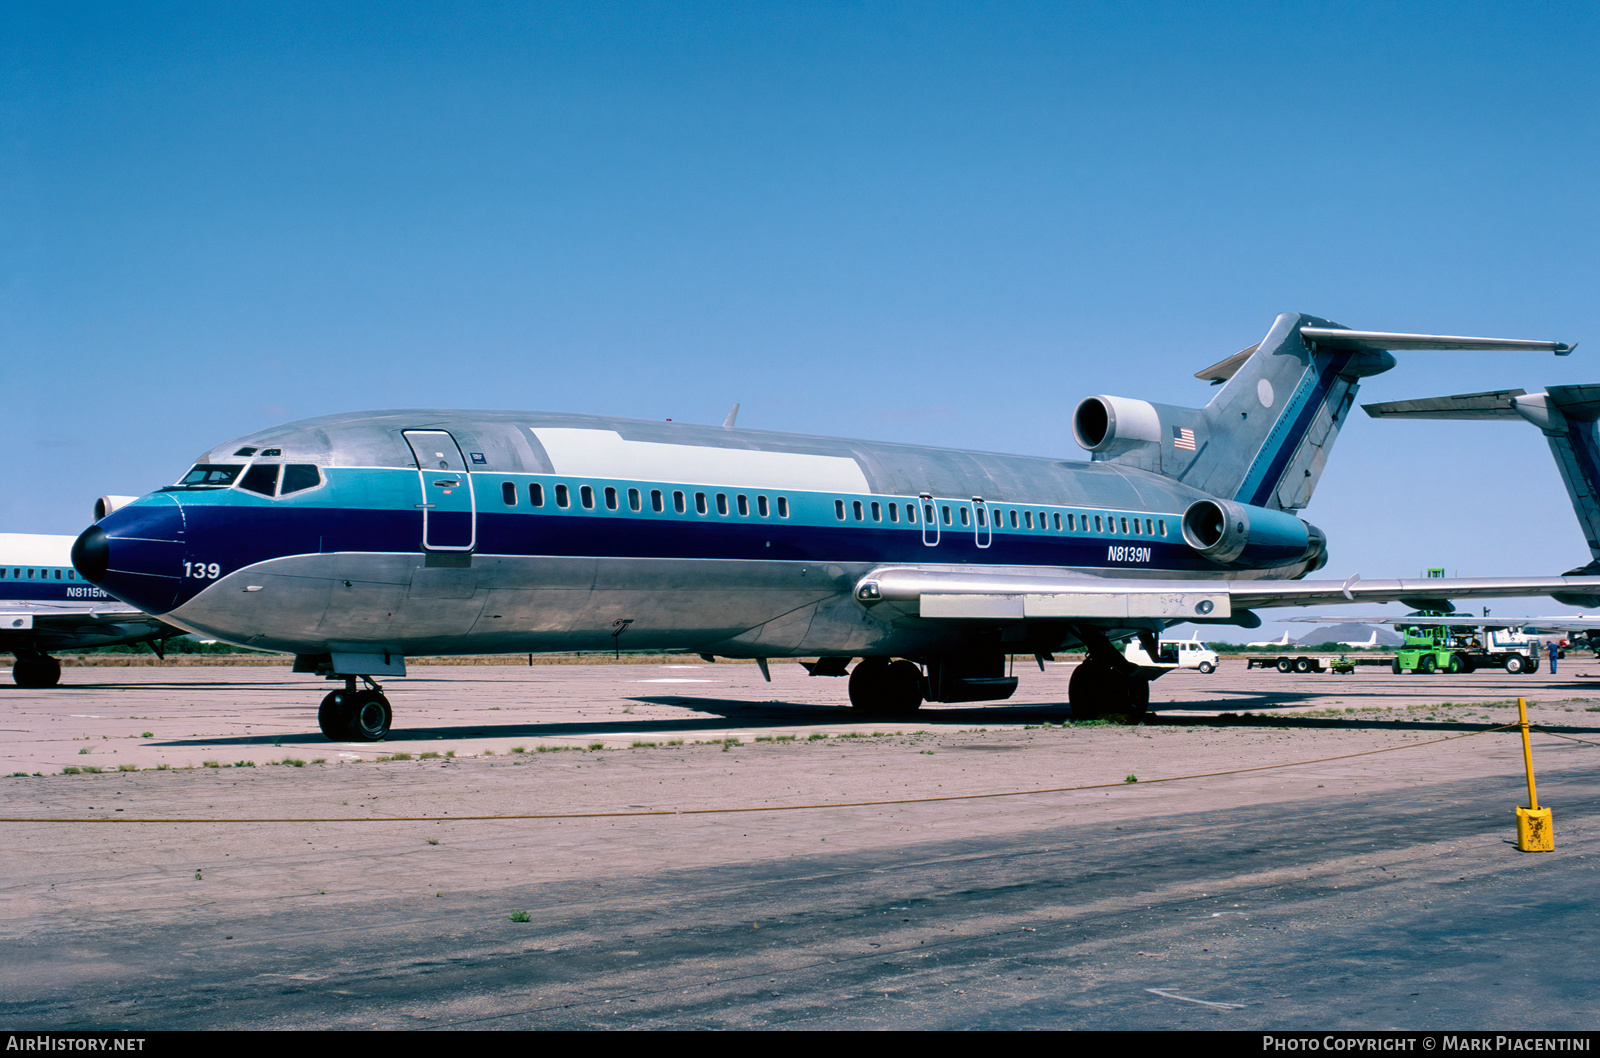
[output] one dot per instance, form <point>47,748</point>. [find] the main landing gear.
<point>354,715</point>
<point>886,688</point>
<point>1107,686</point>
<point>36,670</point>
<point>1097,691</point>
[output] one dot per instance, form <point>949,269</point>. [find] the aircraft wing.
<point>954,592</point>
<point>1458,621</point>
<point>57,626</point>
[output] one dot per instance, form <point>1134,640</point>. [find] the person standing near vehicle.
<point>1552,647</point>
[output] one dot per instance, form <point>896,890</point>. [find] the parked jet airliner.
<point>356,540</point>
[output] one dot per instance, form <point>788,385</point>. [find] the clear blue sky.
<point>928,222</point>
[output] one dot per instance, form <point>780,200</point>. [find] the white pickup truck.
<point>1179,654</point>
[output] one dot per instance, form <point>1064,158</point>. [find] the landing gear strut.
<point>879,686</point>
<point>353,715</point>
<point>36,670</point>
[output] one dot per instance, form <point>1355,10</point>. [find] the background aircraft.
<point>45,606</point>
<point>1565,414</point>
<point>356,540</point>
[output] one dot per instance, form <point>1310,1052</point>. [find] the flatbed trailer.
<point>1316,662</point>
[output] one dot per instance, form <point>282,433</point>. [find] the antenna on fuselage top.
<point>732,415</point>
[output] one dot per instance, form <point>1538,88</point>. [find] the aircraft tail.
<point>1567,415</point>
<point>1265,436</point>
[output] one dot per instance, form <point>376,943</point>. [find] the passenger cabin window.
<point>508,492</point>
<point>761,506</point>
<point>563,498</point>
<point>963,512</point>
<point>783,506</point>
<point>945,510</point>
<point>611,498</point>
<point>633,500</point>
<point>677,502</point>
<point>744,505</point>
<point>657,501</point>
<point>722,503</point>
<point>586,496</point>
<point>838,509</point>
<point>536,494</point>
<point>700,503</point>
<point>856,509</point>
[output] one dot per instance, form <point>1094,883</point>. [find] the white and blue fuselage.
<point>420,532</point>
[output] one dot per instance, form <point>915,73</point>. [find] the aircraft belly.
<point>647,604</point>
<point>289,596</point>
<point>350,601</point>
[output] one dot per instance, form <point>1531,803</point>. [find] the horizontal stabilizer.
<point>1342,338</point>
<point>1493,404</point>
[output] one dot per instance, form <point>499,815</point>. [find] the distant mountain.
<point>1350,633</point>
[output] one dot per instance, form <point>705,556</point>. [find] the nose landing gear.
<point>36,670</point>
<point>352,715</point>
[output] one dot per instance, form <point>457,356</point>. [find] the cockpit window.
<point>298,477</point>
<point>262,478</point>
<point>210,475</point>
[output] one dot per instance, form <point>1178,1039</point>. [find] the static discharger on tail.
<point>355,541</point>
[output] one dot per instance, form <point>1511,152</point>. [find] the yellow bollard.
<point>1534,830</point>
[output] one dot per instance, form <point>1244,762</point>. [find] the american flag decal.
<point>1183,438</point>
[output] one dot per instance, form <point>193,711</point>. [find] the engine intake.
<point>1250,537</point>
<point>1110,425</point>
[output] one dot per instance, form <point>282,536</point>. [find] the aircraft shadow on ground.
<point>746,715</point>
<point>771,715</point>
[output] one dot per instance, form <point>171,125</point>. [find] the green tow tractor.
<point>1464,647</point>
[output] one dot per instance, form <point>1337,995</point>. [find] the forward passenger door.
<point>449,511</point>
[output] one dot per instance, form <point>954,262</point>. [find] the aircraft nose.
<point>136,553</point>
<point>91,554</point>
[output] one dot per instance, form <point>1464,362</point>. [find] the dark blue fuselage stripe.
<point>238,537</point>
<point>1302,422</point>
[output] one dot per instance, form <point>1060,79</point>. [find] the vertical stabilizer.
<point>1264,437</point>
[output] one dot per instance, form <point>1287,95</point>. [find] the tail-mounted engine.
<point>1110,426</point>
<point>1247,537</point>
<point>106,504</point>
